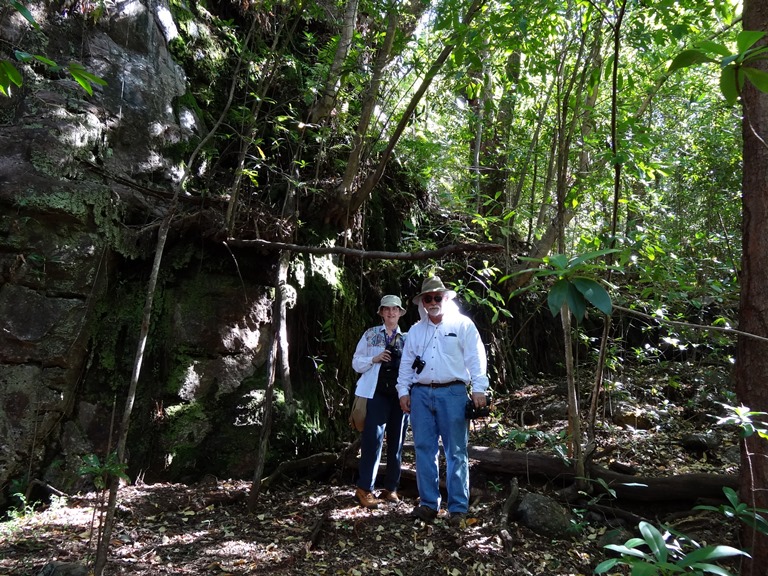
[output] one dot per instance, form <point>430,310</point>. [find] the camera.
<point>471,412</point>
<point>418,365</point>
<point>394,356</point>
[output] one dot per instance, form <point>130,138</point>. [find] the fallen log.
<point>682,487</point>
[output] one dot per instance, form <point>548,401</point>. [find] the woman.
<point>377,359</point>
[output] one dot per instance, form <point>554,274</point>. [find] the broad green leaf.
<point>714,47</point>
<point>559,261</point>
<point>21,9</point>
<point>655,541</point>
<point>688,58</point>
<point>757,77</point>
<point>92,78</point>
<point>10,72</point>
<point>606,565</point>
<point>758,53</point>
<point>84,78</point>
<point>626,551</point>
<point>576,302</point>
<point>728,85</point>
<point>590,256</point>
<point>642,569</point>
<point>594,293</point>
<point>710,553</point>
<point>82,81</point>
<point>557,296</point>
<point>747,38</point>
<point>47,62</point>
<point>712,569</point>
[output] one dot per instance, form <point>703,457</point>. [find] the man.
<point>441,358</point>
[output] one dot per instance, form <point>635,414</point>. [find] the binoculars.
<point>471,412</point>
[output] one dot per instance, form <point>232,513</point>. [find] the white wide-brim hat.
<point>433,284</point>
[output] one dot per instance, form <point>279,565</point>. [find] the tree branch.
<point>366,254</point>
<point>663,320</point>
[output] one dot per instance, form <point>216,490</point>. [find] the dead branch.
<point>366,254</point>
<point>684,487</point>
<point>323,458</point>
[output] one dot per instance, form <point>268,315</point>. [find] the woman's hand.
<point>383,357</point>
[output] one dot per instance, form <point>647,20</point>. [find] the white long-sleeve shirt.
<point>451,350</point>
<point>371,343</point>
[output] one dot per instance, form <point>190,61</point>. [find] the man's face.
<point>433,303</point>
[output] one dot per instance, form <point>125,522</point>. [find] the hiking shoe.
<point>424,513</point>
<point>366,499</point>
<point>457,519</point>
<point>389,496</point>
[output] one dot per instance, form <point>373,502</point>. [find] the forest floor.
<point>312,527</point>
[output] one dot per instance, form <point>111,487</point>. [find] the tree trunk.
<point>286,296</point>
<point>362,194</point>
<point>105,530</point>
<point>574,409</point>
<point>369,105</point>
<point>266,424</point>
<point>328,96</point>
<point>682,488</point>
<point>751,354</point>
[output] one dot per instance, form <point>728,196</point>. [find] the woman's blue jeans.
<point>439,413</point>
<point>382,416</point>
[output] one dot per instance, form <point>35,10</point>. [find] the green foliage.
<point>744,418</point>
<point>8,75</point>
<point>735,509</point>
<point>22,509</point>
<point>480,291</point>
<point>735,68</point>
<point>555,441</point>
<point>85,78</point>
<point>571,287</point>
<point>657,554</point>
<point>102,473</point>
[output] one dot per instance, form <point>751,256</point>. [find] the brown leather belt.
<point>440,384</point>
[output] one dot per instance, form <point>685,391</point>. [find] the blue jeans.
<point>382,415</point>
<point>439,412</point>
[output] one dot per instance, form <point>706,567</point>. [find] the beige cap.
<point>391,300</point>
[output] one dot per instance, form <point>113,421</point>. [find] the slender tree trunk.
<point>615,144</point>
<point>574,408</point>
<point>328,96</point>
<point>369,105</point>
<point>106,533</point>
<point>266,426</point>
<point>282,328</point>
<point>752,355</point>
<point>362,194</point>
<point>162,235</point>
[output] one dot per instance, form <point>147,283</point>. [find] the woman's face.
<point>390,314</point>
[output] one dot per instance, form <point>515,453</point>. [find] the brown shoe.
<point>389,496</point>
<point>366,499</point>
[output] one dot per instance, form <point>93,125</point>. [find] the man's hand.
<point>478,399</point>
<point>405,403</point>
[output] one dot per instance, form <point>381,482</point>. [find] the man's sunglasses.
<point>428,299</point>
